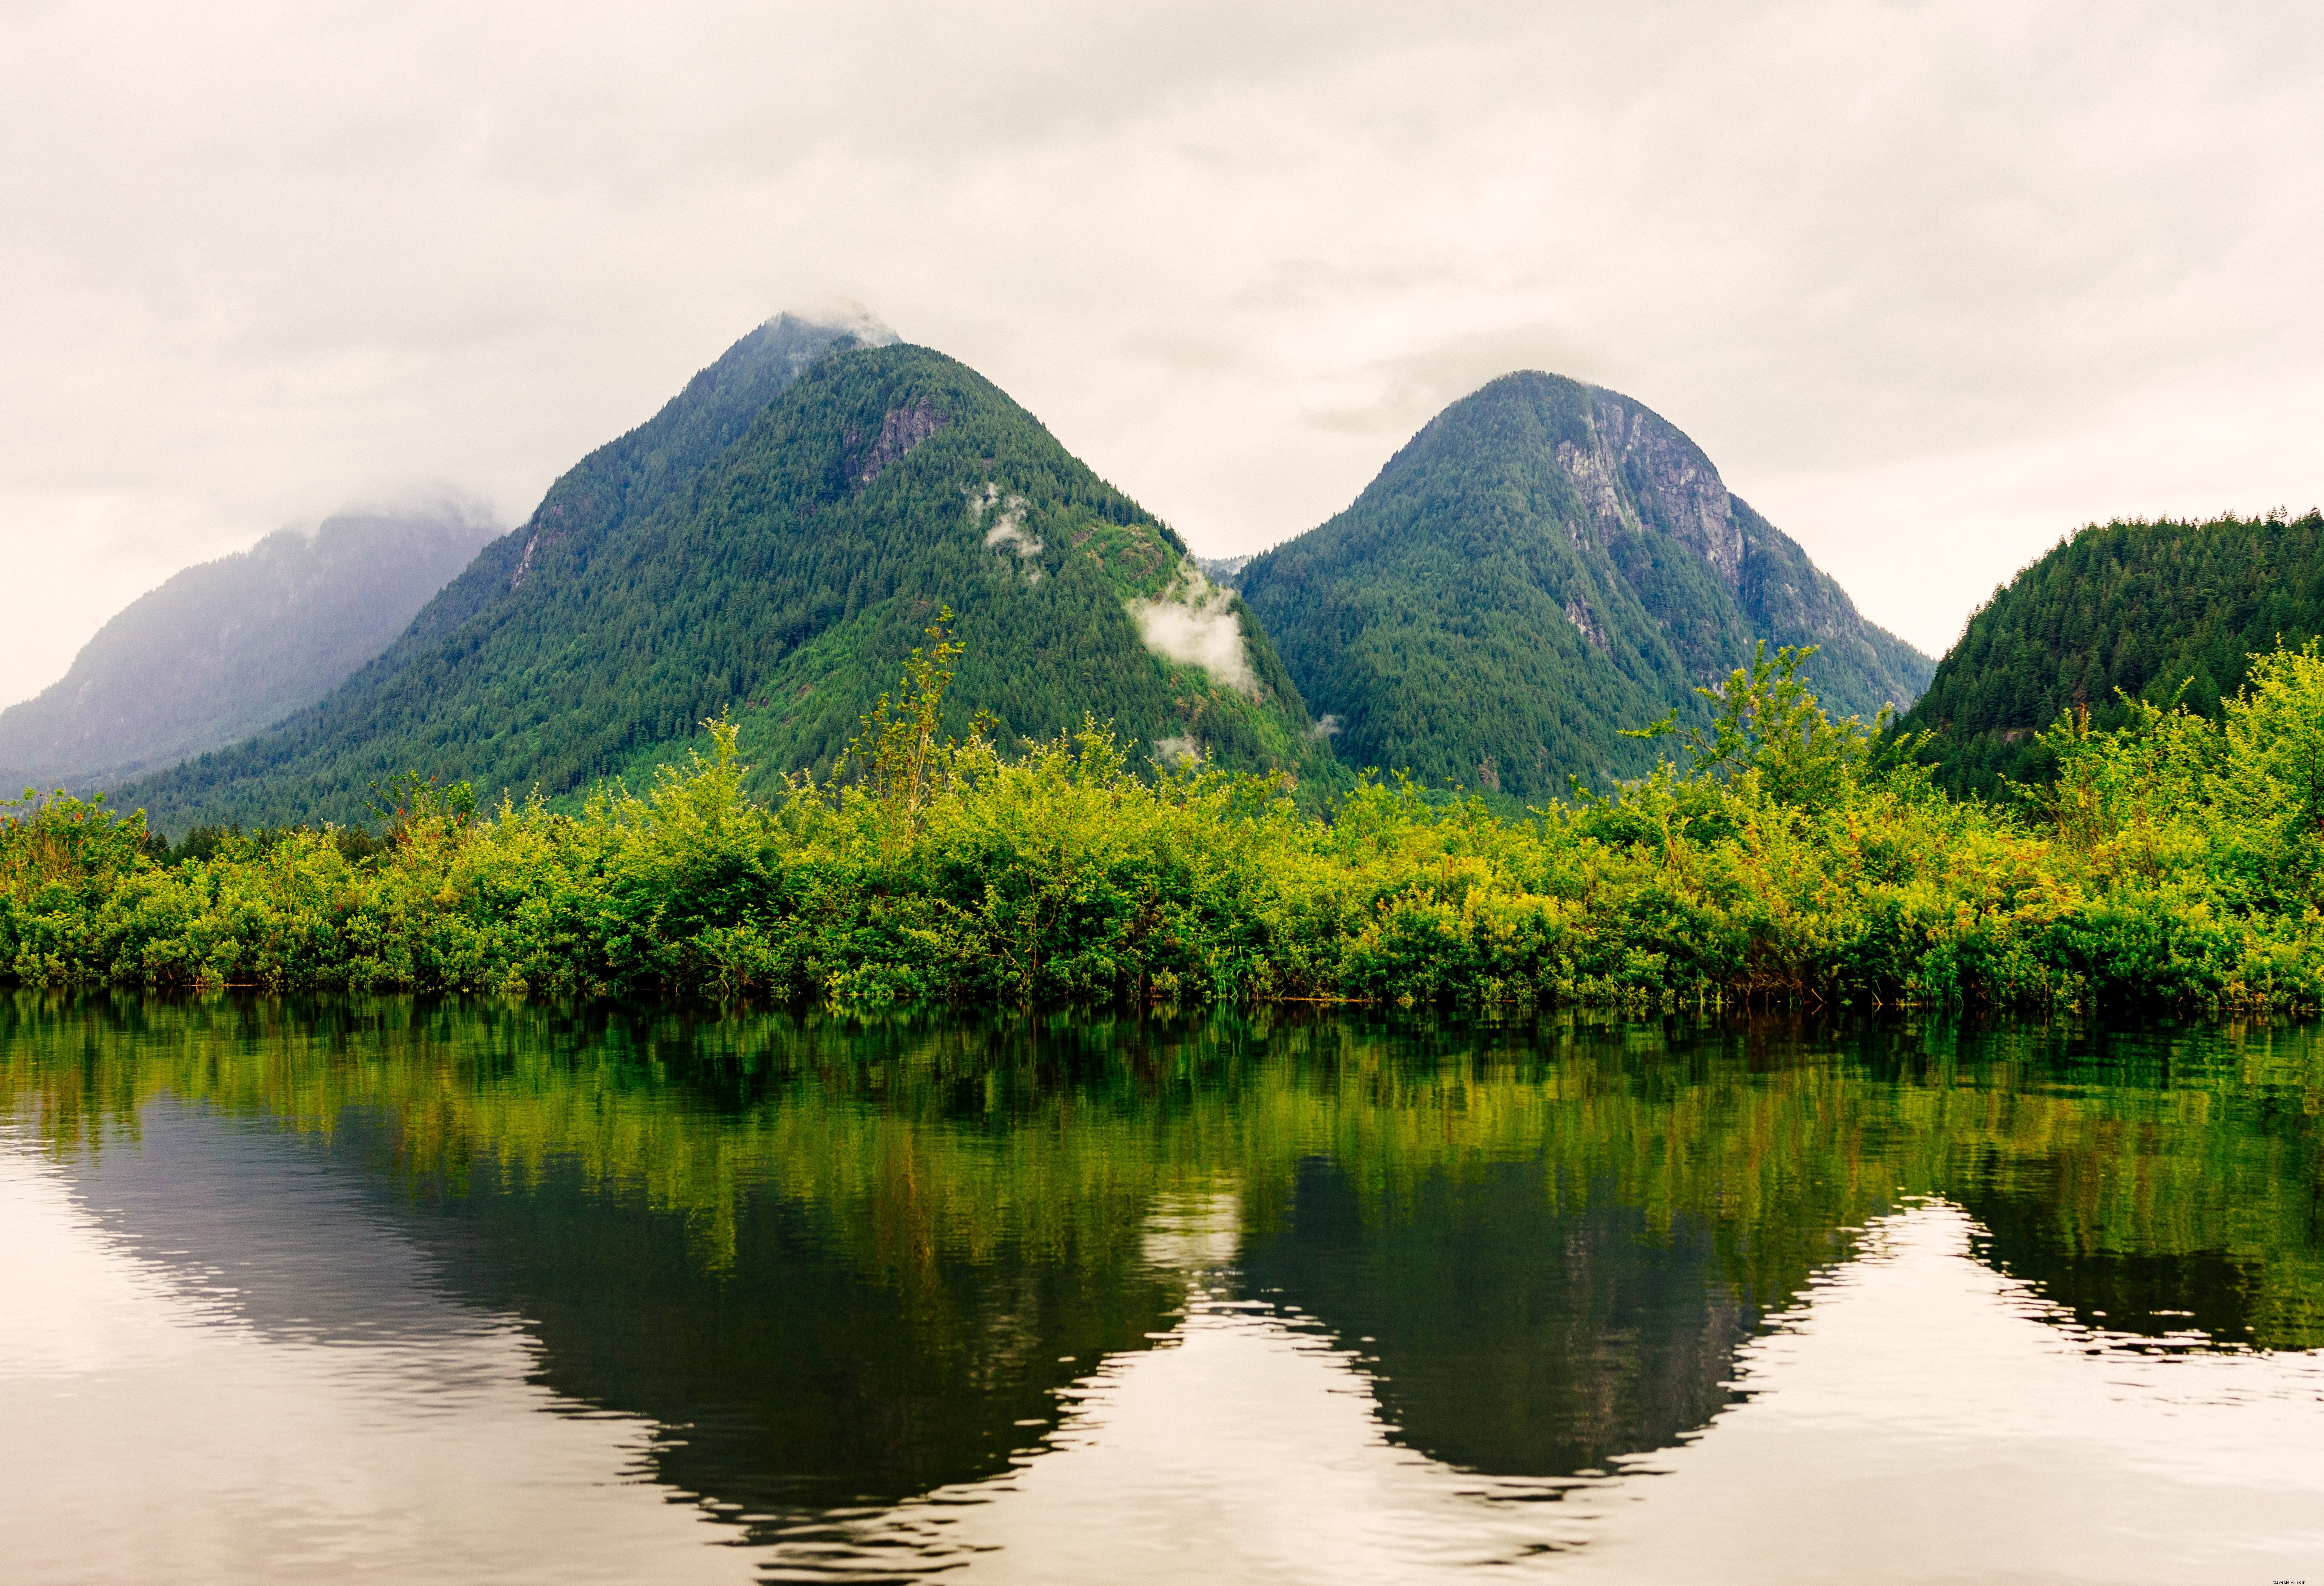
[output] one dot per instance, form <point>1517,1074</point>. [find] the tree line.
<point>1773,853</point>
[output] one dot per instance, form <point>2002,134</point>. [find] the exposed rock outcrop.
<point>900,430</point>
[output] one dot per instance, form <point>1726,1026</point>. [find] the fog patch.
<point>1007,531</point>
<point>1195,624</point>
<point>1326,726</point>
<point>1183,753</point>
<point>843,315</point>
<point>448,504</point>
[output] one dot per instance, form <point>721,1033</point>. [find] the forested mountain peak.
<point>226,647</point>
<point>2147,608</point>
<point>627,478</point>
<point>1545,563</point>
<point>781,562</point>
<point>1631,470</point>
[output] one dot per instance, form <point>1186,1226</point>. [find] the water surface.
<point>392,1290</point>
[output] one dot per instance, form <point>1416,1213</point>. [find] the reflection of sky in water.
<point>1923,1418</point>
<point>326,1413</point>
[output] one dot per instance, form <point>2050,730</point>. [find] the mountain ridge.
<point>228,647</point>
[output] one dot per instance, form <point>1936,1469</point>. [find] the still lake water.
<point>444,1292</point>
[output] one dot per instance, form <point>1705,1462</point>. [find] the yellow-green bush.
<point>1781,856</point>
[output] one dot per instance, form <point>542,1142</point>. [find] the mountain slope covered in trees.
<point>780,563</point>
<point>1543,565</point>
<point>227,648</point>
<point>2141,607</point>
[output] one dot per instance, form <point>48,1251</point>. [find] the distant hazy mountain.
<point>2140,607</point>
<point>227,649</point>
<point>774,541</point>
<point>1546,563</point>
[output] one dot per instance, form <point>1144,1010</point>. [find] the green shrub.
<point>1784,856</point>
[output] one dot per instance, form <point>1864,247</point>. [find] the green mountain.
<point>1546,563</point>
<point>226,648</point>
<point>2139,607</point>
<point>773,542</point>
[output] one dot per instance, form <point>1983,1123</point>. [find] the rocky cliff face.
<point>1639,475</point>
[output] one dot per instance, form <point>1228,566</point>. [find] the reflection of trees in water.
<point>849,1259</point>
<point>2143,1176</point>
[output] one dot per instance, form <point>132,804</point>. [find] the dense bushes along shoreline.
<point>1780,856</point>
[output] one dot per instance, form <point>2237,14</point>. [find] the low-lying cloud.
<point>1195,625</point>
<point>1007,531</point>
<point>1182,752</point>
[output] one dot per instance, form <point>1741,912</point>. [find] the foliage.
<point>900,757</point>
<point>1766,726</point>
<point>2158,612</point>
<point>1531,573</point>
<point>1792,858</point>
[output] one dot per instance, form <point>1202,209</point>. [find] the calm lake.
<point>443,1292</point>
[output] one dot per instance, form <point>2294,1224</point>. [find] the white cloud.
<point>1007,531</point>
<point>1181,752</point>
<point>1194,623</point>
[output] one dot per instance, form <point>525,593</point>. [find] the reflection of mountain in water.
<point>2146,1293</point>
<point>1511,1336</point>
<point>285,1231</point>
<point>794,1377</point>
<point>846,1264</point>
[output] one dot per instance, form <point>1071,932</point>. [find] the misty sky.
<point>1933,284</point>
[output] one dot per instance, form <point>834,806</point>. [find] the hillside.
<point>223,649</point>
<point>2139,607</point>
<point>1546,563</point>
<point>780,564</point>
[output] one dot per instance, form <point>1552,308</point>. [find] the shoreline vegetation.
<point>1777,857</point>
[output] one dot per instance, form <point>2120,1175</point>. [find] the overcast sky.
<point>1931,285</point>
